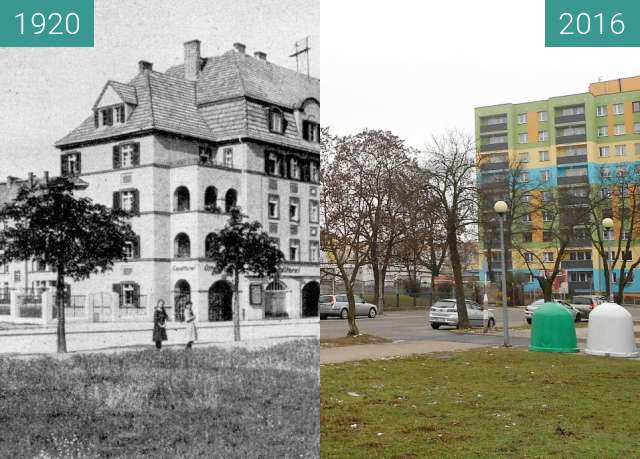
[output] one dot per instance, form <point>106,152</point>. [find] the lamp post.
<point>607,223</point>
<point>501,208</point>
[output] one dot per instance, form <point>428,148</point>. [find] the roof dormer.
<point>115,104</point>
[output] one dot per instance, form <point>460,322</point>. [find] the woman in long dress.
<point>159,324</point>
<point>190,320</point>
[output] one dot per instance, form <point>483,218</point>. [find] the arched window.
<point>208,245</point>
<point>230,200</point>
<point>182,246</point>
<point>181,200</point>
<point>211,199</point>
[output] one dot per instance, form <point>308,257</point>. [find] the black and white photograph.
<point>160,235</point>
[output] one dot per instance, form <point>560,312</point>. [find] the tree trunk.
<point>456,266</point>
<point>353,327</point>
<point>382,273</point>
<point>607,280</point>
<point>376,283</point>
<point>236,307</point>
<point>433,289</point>
<point>547,289</point>
<point>60,331</point>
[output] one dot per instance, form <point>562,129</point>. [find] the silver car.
<point>445,312</point>
<point>584,304</point>
<point>529,310</point>
<point>338,306</point>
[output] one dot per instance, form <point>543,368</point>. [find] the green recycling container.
<point>553,330</point>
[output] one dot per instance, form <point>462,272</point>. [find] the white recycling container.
<point>610,332</point>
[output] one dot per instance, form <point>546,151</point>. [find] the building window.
<point>230,200</point>
<point>528,257</point>
<point>545,176</point>
<point>315,172</point>
<point>132,249</point>
<point>181,199</point>
<point>206,155</point>
<point>17,276</point>
<point>314,212</point>
<point>106,116</point>
<point>522,118</point>
<point>580,276</point>
<point>523,138</point>
<point>523,157</point>
<point>526,197</point>
<point>276,121</point>
<point>228,157</point>
<point>607,234</point>
<point>636,146</point>
<point>526,218</point>
<point>129,293</point>
<point>543,136</point>
<point>70,164</point>
<point>575,130</point>
<point>182,246</point>
<point>619,129</point>
<point>604,152</point>
<point>294,209</point>
<point>621,150</point>
<point>546,196</point>
<point>618,109</point>
<point>119,113</point>
<point>126,155</point>
<point>603,131</point>
<point>272,165</point>
<point>527,237</point>
<point>570,111</point>
<point>547,216</point>
<point>605,172</point>
<point>547,256</point>
<point>294,250</point>
<point>601,110</point>
<point>621,172</point>
<point>126,200</point>
<point>311,131</point>
<point>547,236</point>
<point>523,177</point>
<point>544,155</point>
<point>273,206</point>
<point>636,107</point>
<point>294,168</point>
<point>543,116</point>
<point>211,199</point>
<point>314,252</point>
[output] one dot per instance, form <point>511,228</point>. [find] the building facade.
<point>181,148</point>
<point>571,145</point>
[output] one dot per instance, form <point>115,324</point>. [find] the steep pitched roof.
<point>235,74</point>
<point>125,91</point>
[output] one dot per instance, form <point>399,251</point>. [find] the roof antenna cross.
<point>301,53</point>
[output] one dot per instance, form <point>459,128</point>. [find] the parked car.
<point>338,306</point>
<point>584,304</point>
<point>529,310</point>
<point>445,312</point>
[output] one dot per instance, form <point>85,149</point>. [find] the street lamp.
<point>501,208</point>
<point>607,223</point>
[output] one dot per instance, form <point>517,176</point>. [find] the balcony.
<point>487,166</point>
<point>494,147</point>
<point>493,127</point>
<point>581,286</point>
<point>573,180</point>
<point>569,119</point>
<point>576,138</point>
<point>572,159</point>
<point>575,243</point>
<point>577,264</point>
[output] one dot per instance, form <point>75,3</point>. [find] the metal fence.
<point>29,304</point>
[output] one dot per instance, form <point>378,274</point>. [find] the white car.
<point>529,310</point>
<point>445,312</point>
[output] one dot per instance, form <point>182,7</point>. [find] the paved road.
<point>413,326</point>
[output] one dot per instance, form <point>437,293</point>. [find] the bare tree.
<point>451,165</point>
<point>344,216</point>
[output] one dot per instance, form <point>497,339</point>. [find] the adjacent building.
<point>182,147</point>
<point>569,144</point>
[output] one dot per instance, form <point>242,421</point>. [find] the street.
<point>412,325</point>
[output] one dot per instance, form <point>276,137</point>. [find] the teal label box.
<point>592,23</point>
<point>46,23</point>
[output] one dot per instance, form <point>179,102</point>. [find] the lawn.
<point>210,403</point>
<point>481,403</point>
<point>352,340</point>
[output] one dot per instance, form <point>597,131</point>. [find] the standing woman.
<point>190,319</point>
<point>159,324</point>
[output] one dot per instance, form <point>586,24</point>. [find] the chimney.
<point>46,176</point>
<point>144,66</point>
<point>260,55</point>
<point>240,47</point>
<point>191,59</point>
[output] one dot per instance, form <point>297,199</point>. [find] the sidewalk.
<point>390,350</point>
<point>89,337</point>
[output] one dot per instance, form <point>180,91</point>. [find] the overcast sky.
<point>47,92</point>
<point>419,68</point>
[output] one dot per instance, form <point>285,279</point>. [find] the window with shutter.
<point>116,157</point>
<point>136,248</point>
<point>136,201</point>
<point>135,155</point>
<point>116,200</point>
<point>64,167</point>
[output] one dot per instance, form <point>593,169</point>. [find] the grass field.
<point>218,403</point>
<point>482,403</point>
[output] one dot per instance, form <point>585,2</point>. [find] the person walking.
<point>190,319</point>
<point>159,324</point>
